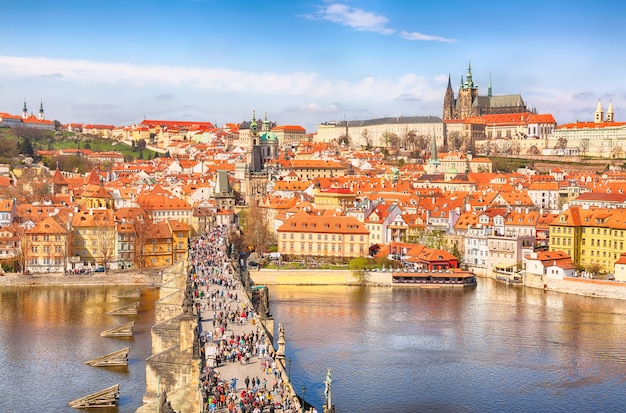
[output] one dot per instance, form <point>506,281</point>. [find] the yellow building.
<point>165,243</point>
<point>94,238</point>
<point>323,235</point>
<point>333,198</point>
<point>593,237</point>
<point>45,247</point>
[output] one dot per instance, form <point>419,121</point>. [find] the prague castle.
<point>469,104</point>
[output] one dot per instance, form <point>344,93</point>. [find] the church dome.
<point>268,137</point>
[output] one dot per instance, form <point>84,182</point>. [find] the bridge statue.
<point>328,406</point>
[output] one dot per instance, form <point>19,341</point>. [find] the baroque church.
<point>468,103</point>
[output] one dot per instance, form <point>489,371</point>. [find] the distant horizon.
<point>303,63</point>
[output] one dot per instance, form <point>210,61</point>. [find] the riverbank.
<point>148,277</point>
<point>576,286</point>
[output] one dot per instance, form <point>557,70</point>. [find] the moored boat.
<point>430,278</point>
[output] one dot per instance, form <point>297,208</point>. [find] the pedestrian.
<point>247,381</point>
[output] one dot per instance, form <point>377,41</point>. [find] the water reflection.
<point>490,349</point>
<point>46,333</point>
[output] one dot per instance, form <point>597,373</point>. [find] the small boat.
<point>454,277</point>
<point>508,274</point>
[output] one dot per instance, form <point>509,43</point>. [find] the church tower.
<point>610,116</point>
<point>448,102</point>
<point>468,92</point>
<point>24,111</point>
<point>599,113</point>
<point>41,115</point>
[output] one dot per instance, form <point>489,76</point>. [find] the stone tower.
<point>467,93</point>
<point>610,116</point>
<point>599,113</point>
<point>448,102</point>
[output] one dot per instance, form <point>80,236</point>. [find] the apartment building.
<point>323,235</point>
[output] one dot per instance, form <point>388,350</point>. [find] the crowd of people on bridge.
<point>217,291</point>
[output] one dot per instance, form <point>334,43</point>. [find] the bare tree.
<point>142,225</point>
<point>410,141</point>
<point>366,139</point>
<point>561,143</point>
<point>104,240</point>
<point>455,141</point>
<point>533,150</point>
<point>256,234</point>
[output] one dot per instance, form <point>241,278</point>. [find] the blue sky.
<point>304,62</point>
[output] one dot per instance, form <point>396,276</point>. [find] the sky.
<point>117,62</point>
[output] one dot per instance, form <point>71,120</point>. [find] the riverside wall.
<point>318,277</point>
<point>579,286</point>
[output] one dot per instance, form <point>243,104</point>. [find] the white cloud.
<point>369,22</point>
<point>423,37</point>
<point>355,18</point>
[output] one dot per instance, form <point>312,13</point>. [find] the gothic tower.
<point>468,92</point>
<point>448,102</point>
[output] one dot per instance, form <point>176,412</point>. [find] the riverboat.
<point>434,278</point>
<point>508,275</point>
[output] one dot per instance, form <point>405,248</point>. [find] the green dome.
<point>268,137</point>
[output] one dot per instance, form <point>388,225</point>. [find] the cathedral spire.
<point>489,94</point>
<point>468,77</point>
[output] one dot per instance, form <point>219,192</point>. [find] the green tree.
<point>359,267</point>
<point>26,147</point>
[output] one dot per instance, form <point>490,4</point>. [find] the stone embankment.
<point>578,286</point>
<point>147,277</point>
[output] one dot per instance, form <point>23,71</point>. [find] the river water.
<point>490,349</point>
<point>494,348</point>
<point>46,333</point>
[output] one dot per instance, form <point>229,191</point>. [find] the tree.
<point>617,152</point>
<point>344,140</point>
<point>256,234</point>
<point>359,267</point>
<point>142,225</point>
<point>561,144</point>
<point>533,150</point>
<point>141,144</point>
<point>30,187</point>
<point>26,147</point>
<point>410,141</point>
<point>455,140</point>
<point>105,241</point>
<point>365,139</point>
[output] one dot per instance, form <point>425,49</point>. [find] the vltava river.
<point>46,333</point>
<point>491,349</point>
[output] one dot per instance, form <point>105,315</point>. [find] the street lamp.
<point>303,392</point>
<point>289,368</point>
